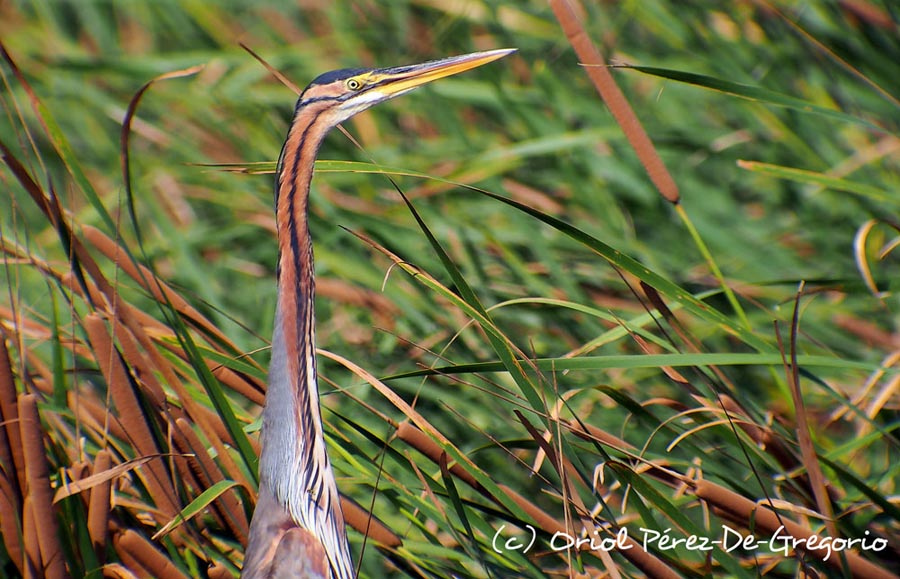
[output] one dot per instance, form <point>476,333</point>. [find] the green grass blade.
<point>649,361</point>
<point>196,506</point>
<point>503,347</point>
<point>819,179</point>
<point>753,93</point>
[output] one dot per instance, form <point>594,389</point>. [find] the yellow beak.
<point>398,80</point>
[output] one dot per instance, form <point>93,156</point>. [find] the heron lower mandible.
<point>298,527</point>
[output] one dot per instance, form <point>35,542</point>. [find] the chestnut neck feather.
<point>296,275</point>
<point>294,466</point>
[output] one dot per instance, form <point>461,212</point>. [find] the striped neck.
<point>295,314</point>
<point>294,465</point>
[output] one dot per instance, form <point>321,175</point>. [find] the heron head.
<point>340,94</point>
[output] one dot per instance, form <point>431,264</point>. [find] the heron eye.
<point>354,84</point>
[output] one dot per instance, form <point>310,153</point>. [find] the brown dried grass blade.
<point>281,78</point>
<point>126,132</point>
<point>102,475</point>
<point>39,492</point>
<point>390,395</point>
<point>568,474</point>
<point>804,439</point>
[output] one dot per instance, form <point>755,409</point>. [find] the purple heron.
<point>298,529</point>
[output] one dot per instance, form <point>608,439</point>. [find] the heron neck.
<point>292,420</point>
<point>294,465</point>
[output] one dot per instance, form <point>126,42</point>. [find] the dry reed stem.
<point>10,519</point>
<point>363,521</point>
<point>117,571</point>
<point>649,564</point>
<point>9,421</point>
<point>96,419</point>
<point>38,490</point>
<point>219,571</point>
<point>596,69</point>
<point>160,291</point>
<point>815,476</point>
<point>130,562</point>
<point>761,520</point>
<point>210,423</point>
<point>592,433</point>
<point>228,506</point>
<point>567,472</point>
<point>143,551</point>
<point>247,386</point>
<point>12,468</point>
<point>130,412</point>
<point>140,367</point>
<point>99,505</point>
<point>32,541</point>
<point>121,311</point>
<point>136,321</point>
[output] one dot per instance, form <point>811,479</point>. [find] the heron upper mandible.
<point>298,527</point>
